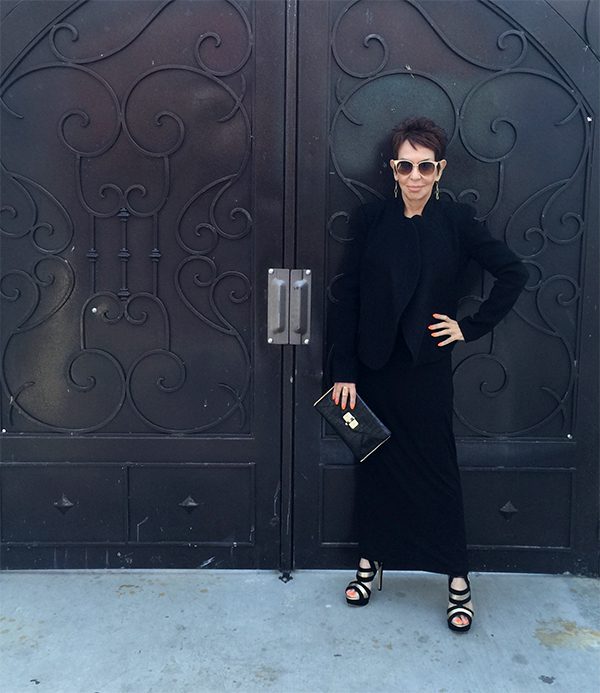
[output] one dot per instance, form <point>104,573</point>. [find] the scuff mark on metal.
<point>137,527</point>
<point>276,500</point>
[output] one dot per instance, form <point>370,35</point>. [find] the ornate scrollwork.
<point>216,39</point>
<point>331,227</point>
<point>45,234</point>
<point>592,35</point>
<point>502,42</point>
<point>125,365</point>
<point>66,27</point>
<point>42,306</point>
<point>547,214</point>
<point>211,282</point>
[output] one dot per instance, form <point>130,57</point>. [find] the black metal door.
<point>153,172</point>
<point>516,86</point>
<point>142,183</point>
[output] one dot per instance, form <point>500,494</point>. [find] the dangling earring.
<point>396,189</point>
<point>437,191</point>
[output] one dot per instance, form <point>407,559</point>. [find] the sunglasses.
<point>403,167</point>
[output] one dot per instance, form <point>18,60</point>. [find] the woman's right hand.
<point>346,392</point>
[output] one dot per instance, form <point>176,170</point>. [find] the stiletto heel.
<point>364,575</point>
<point>458,599</point>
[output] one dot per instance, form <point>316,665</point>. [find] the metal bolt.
<point>306,341</point>
<point>306,271</point>
<point>569,436</point>
<point>270,340</point>
<point>271,270</point>
<point>3,430</point>
<point>94,310</point>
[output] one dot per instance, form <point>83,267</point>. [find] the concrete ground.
<point>169,631</point>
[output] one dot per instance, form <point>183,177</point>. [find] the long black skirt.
<point>409,505</point>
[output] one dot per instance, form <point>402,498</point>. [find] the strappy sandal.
<point>365,575</point>
<point>458,599</point>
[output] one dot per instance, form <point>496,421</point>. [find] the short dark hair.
<point>421,131</point>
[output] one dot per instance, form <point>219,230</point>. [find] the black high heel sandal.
<point>365,575</point>
<point>458,599</point>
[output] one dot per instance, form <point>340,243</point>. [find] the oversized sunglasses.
<point>403,167</point>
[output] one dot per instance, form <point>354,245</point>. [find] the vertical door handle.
<point>278,306</point>
<point>288,306</point>
<point>300,301</point>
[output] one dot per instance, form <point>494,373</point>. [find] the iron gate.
<point>160,157</point>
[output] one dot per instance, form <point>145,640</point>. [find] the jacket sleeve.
<point>497,258</point>
<point>344,297</point>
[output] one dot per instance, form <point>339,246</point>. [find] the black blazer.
<point>397,271</point>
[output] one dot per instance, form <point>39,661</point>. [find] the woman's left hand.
<point>446,326</point>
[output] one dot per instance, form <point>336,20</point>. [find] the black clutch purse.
<point>359,428</point>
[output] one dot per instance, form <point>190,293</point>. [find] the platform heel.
<point>458,599</point>
<point>365,575</point>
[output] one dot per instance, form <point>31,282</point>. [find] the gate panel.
<point>521,132</point>
<point>74,502</point>
<point>138,226</point>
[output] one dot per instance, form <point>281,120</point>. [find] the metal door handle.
<point>277,306</point>
<point>300,307</point>
<point>288,312</point>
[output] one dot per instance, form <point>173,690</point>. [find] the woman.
<point>394,328</point>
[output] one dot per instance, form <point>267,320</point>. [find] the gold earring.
<point>437,191</point>
<point>396,189</point>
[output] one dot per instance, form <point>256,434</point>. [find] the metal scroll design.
<point>125,362</point>
<point>499,137</point>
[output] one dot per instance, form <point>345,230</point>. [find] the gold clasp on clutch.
<point>350,420</point>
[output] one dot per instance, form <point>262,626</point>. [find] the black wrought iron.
<point>543,218</point>
<point>116,125</point>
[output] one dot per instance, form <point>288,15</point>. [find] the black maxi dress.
<point>409,504</point>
